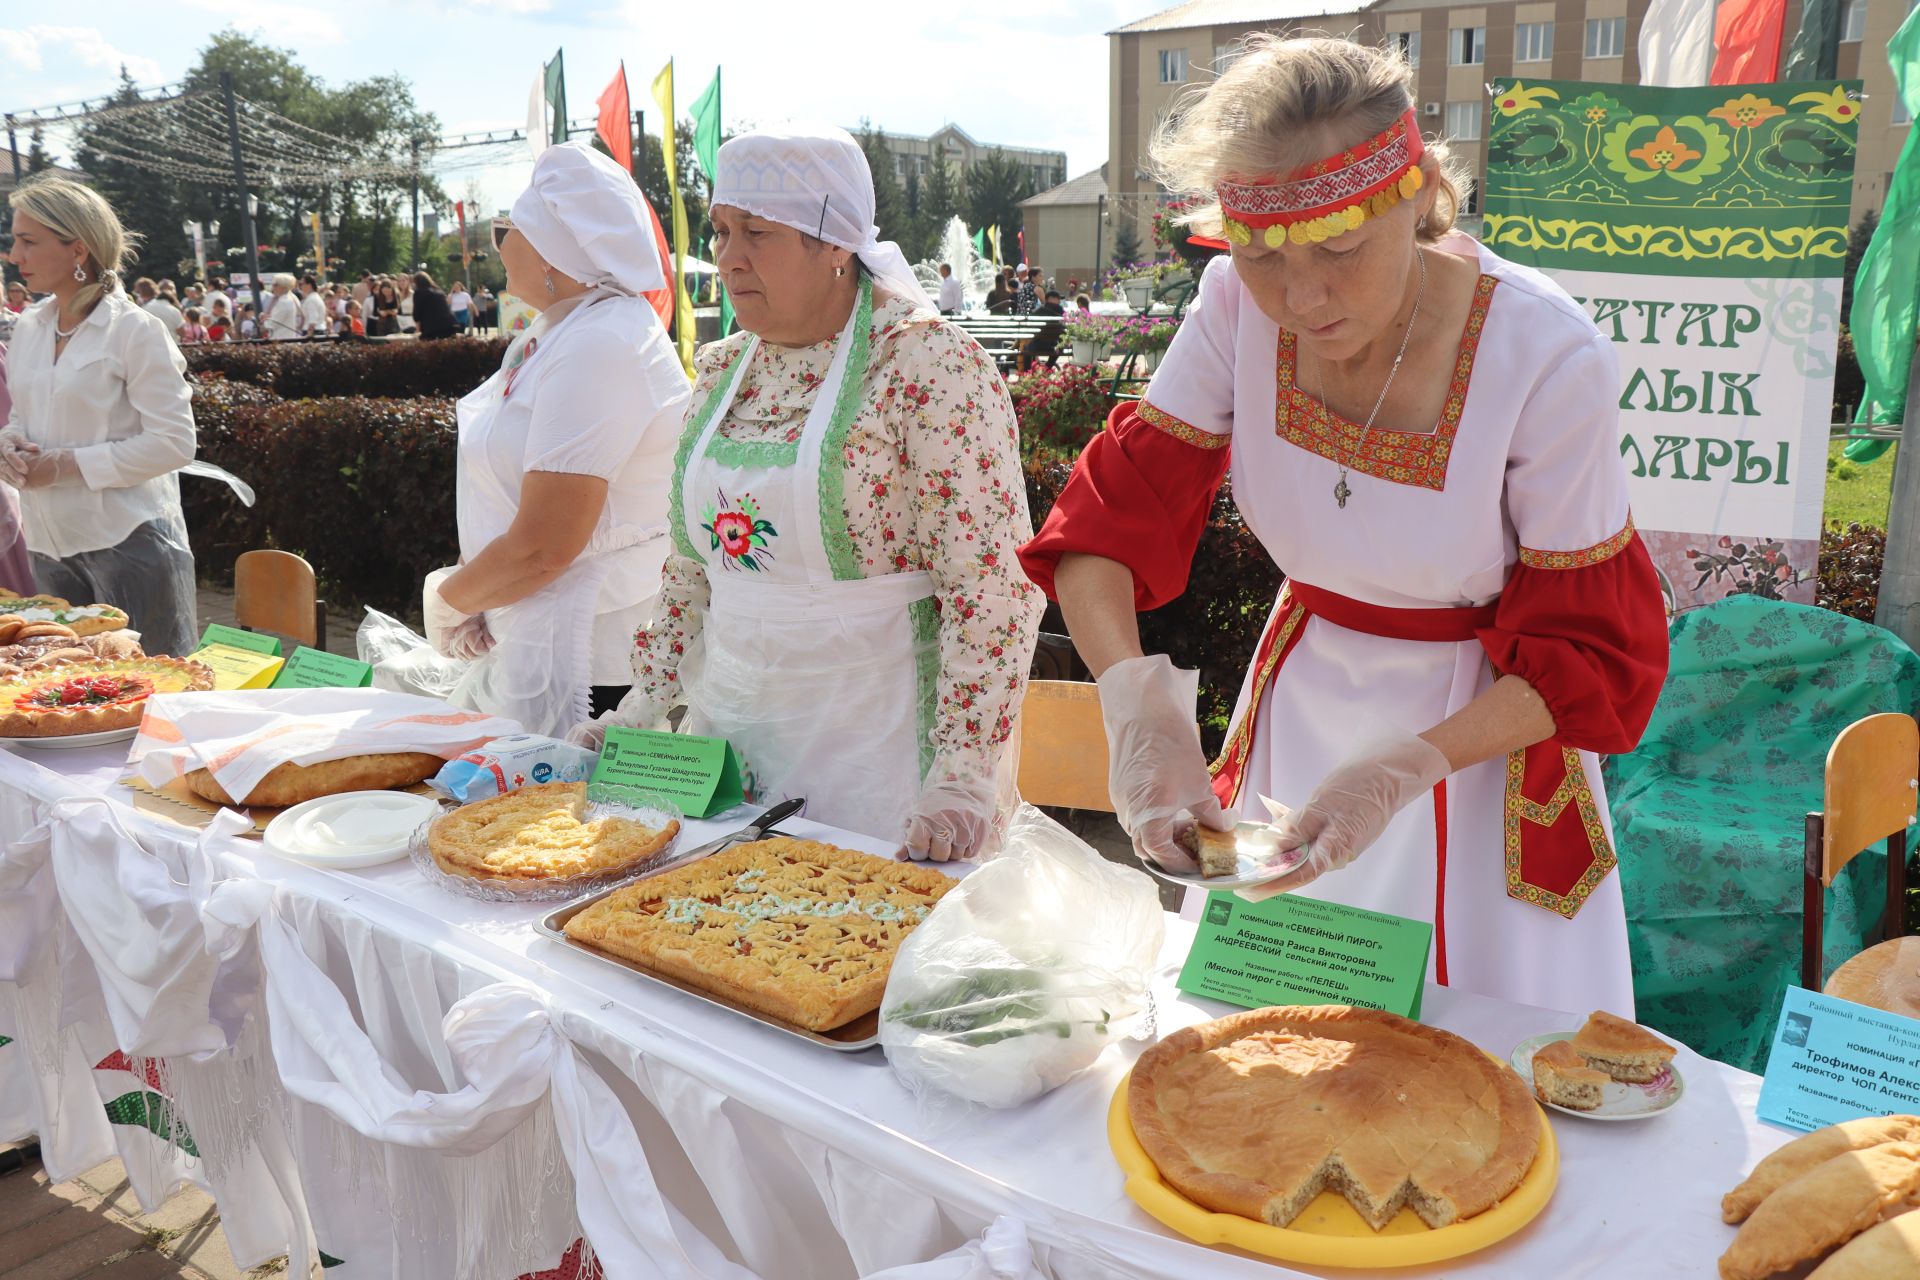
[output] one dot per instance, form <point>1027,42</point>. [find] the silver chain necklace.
<point>1340,490</point>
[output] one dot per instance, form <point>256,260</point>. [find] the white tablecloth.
<point>791,1160</point>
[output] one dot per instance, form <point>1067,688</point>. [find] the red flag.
<point>616,119</point>
<point>661,299</point>
<point>1747,36</point>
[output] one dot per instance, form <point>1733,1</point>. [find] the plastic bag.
<point>1001,1253</point>
<point>402,660</point>
<point>1024,973</point>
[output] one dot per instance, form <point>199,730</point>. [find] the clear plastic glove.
<point>471,639</point>
<point>440,618</point>
<point>951,820</point>
<point>1156,774</point>
<point>51,467</point>
<point>591,734</point>
<point>16,453</point>
<point>1352,806</point>
<point>631,713</point>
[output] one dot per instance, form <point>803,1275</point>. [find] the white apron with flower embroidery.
<point>822,680</point>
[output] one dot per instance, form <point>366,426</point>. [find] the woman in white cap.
<point>843,604</point>
<point>564,458</point>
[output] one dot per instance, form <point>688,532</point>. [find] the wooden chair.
<point>275,591</point>
<point>1063,747</point>
<point>1872,777</point>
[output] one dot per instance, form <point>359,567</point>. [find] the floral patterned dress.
<point>928,482</point>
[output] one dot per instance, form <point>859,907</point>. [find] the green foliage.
<point>995,188</point>
<point>1851,555</point>
<point>696,188</point>
<point>1857,241</point>
<point>450,367</point>
<point>1858,494</point>
<point>890,210</point>
<point>37,159</point>
<point>1126,241</point>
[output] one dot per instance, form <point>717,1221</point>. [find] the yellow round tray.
<point>1328,1233</point>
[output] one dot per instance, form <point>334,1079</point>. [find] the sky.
<point>908,66</point>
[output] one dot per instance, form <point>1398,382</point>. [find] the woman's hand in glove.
<point>951,820</point>
<point>16,455</point>
<point>1156,774</point>
<point>441,619</point>
<point>632,713</point>
<point>1352,806</point>
<point>470,640</point>
<point>50,467</point>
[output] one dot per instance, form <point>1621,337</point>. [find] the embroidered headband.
<point>1329,197</point>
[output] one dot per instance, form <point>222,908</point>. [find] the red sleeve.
<point>1139,494</point>
<point>1588,630</point>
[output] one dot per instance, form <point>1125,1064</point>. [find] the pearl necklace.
<point>1340,490</point>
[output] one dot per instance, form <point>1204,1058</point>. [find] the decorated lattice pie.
<point>540,834</point>
<point>92,696</point>
<point>801,930</point>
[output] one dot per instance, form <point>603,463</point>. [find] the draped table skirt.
<point>209,1012</point>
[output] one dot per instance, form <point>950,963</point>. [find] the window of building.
<point>1173,66</point>
<point>1225,55</point>
<point>1467,46</point>
<point>1853,26</point>
<point>1463,121</point>
<point>1407,45</point>
<point>1606,37</point>
<point>1533,42</point>
<point>1470,199</point>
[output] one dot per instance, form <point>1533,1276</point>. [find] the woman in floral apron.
<point>844,604</point>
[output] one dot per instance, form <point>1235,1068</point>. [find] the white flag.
<point>539,137</point>
<point>1676,43</point>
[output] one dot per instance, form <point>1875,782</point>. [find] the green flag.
<point>706,148</point>
<point>1816,49</point>
<point>557,94</point>
<point>1886,290</point>
<point>980,242</point>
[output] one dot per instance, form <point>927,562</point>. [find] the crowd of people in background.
<point>300,307</point>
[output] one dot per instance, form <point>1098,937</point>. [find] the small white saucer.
<point>1257,855</point>
<point>350,830</point>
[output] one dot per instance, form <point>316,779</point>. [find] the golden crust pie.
<point>1810,1150</point>
<point>801,930</point>
<point>1258,1113</point>
<point>1822,1209</point>
<point>1561,1076</point>
<point>92,695</point>
<point>536,834</point>
<point>84,619</point>
<point>291,784</point>
<point>1624,1050</point>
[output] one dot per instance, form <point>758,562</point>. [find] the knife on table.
<point>752,831</point>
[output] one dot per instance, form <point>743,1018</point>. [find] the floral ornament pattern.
<point>1594,109</point>
<point>1667,154</point>
<point>1520,98</point>
<point>1747,111</point>
<point>738,532</point>
<point>1833,104</point>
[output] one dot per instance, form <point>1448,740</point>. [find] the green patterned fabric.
<point>1709,814</point>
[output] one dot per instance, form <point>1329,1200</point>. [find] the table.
<point>791,1161</point>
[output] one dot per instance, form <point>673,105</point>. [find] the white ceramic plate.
<point>350,830</point>
<point>1617,1101</point>
<point>1259,862</point>
<point>73,741</point>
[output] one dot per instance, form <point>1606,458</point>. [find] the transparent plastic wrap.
<point>402,660</point>
<point>1024,973</point>
<point>652,810</point>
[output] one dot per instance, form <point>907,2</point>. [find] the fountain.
<point>974,272</point>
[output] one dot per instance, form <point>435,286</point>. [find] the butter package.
<point>507,764</point>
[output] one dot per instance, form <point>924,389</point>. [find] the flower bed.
<point>1059,410</point>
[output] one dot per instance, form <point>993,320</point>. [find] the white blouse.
<point>118,397</point>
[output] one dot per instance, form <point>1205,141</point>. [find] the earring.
<point>79,273</point>
<point>550,288</point>
<point>838,272</point>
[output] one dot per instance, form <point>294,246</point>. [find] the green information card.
<point>235,638</point>
<point>1295,950</point>
<point>701,775</point>
<point>318,669</point>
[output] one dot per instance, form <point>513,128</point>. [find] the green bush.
<point>1215,625</point>
<point>299,370</point>
<point>362,487</point>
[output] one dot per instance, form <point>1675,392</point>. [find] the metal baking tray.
<point>862,1033</point>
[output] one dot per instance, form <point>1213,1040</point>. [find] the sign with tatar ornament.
<point>1705,232</point>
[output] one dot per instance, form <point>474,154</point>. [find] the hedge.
<point>299,370</point>
<point>362,487</point>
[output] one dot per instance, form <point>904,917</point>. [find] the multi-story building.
<point>913,154</point>
<point>1456,50</point>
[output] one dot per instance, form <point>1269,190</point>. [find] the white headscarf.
<point>814,178</point>
<point>584,215</point>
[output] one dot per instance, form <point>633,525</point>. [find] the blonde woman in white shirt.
<point>101,421</point>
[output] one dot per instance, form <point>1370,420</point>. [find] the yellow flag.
<point>683,325</point>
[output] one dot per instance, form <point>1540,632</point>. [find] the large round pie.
<point>1258,1113</point>
<point>291,784</point>
<point>92,695</point>
<point>537,834</point>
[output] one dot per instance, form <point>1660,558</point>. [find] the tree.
<point>695,187</point>
<point>37,159</point>
<point>995,188</point>
<point>1126,241</point>
<point>1857,241</point>
<point>890,211</point>
<point>149,203</point>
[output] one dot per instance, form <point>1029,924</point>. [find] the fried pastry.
<point>1822,1208</point>
<point>801,930</point>
<point>291,784</point>
<point>1809,1150</point>
<point>1258,1113</point>
<point>1890,1251</point>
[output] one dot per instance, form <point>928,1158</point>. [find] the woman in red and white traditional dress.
<point>1425,438</point>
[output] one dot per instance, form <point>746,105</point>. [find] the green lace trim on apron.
<point>926,641</point>
<point>841,557</point>
<point>753,453</point>
<point>683,453</point>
